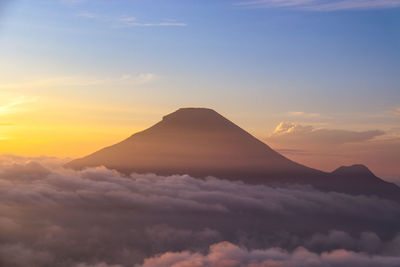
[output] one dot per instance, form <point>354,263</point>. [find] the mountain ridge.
<point>200,142</point>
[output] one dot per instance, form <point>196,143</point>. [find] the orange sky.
<point>34,126</point>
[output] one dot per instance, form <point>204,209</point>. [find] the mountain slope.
<point>200,142</point>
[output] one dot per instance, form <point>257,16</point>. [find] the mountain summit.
<point>195,141</point>
<point>200,142</point>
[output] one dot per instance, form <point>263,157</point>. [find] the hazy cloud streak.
<point>323,5</point>
<point>68,81</point>
<point>128,21</point>
<point>297,133</point>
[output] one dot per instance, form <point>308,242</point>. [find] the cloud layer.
<point>50,216</point>
<point>226,254</point>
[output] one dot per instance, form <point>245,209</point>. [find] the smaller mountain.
<point>357,169</point>
<point>358,179</point>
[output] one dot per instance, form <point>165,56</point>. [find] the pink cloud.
<point>226,254</point>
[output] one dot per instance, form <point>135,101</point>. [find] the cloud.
<point>397,111</point>
<point>323,5</point>
<point>78,81</point>
<point>328,149</point>
<point>226,254</point>
<point>129,21</point>
<point>51,216</point>
<point>289,132</point>
<point>304,114</point>
<point>7,160</point>
<point>141,78</point>
<point>87,15</point>
<point>72,2</point>
<point>12,106</point>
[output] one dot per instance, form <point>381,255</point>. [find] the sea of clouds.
<point>51,216</point>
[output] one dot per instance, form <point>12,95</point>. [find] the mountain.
<point>200,142</point>
<point>358,179</point>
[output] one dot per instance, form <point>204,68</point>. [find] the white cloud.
<point>291,128</point>
<point>87,15</point>
<point>71,2</point>
<point>290,132</point>
<point>141,78</point>
<point>129,21</point>
<point>323,5</point>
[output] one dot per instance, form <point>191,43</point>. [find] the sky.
<point>318,80</point>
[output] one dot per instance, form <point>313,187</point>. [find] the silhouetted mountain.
<point>200,142</point>
<point>358,179</point>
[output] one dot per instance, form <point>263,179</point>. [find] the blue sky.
<point>329,64</point>
<point>342,53</point>
<point>255,54</point>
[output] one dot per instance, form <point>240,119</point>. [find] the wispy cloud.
<point>78,81</point>
<point>303,114</point>
<point>8,106</point>
<point>293,132</point>
<point>141,78</point>
<point>71,2</point>
<point>11,106</point>
<point>87,15</point>
<point>397,111</point>
<point>322,5</point>
<point>130,21</point>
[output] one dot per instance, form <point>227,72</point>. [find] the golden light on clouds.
<point>327,148</point>
<point>14,105</point>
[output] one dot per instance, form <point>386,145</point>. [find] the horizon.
<point>274,141</point>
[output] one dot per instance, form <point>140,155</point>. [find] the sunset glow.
<point>166,133</point>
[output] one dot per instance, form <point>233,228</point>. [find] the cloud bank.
<point>323,5</point>
<point>50,216</point>
<point>225,254</point>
